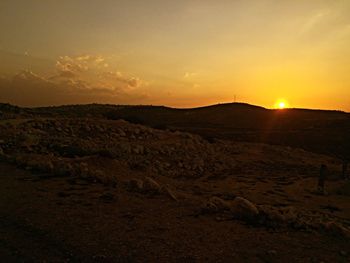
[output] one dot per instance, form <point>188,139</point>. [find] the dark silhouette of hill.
<point>316,130</point>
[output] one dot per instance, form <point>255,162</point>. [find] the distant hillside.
<point>234,115</point>
<point>317,130</point>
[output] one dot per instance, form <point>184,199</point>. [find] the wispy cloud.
<point>314,20</point>
<point>189,75</point>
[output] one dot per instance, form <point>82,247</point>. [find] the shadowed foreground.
<point>89,189</point>
<point>55,220</point>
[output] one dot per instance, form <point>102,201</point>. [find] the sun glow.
<point>281,104</point>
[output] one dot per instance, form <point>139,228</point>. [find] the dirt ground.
<point>56,219</point>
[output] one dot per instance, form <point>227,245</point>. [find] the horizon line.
<point>176,108</point>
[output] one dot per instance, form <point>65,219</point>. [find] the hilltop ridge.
<point>321,131</point>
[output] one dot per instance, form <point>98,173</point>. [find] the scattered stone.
<point>83,170</point>
<point>138,149</point>
<point>135,185</point>
<point>272,252</point>
<point>62,169</point>
<point>337,229</point>
<point>244,209</point>
<point>169,192</point>
<point>107,197</point>
<point>102,177</point>
<point>122,133</point>
<point>151,186</point>
<point>343,253</point>
<point>46,166</point>
<point>216,205</point>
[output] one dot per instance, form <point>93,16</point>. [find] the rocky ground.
<point>85,189</point>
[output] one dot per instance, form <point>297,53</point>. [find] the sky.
<point>176,53</point>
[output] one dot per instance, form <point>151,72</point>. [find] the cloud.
<point>67,74</point>
<point>313,21</point>
<point>327,24</point>
<point>67,63</point>
<point>79,79</point>
<point>118,77</point>
<point>27,76</point>
<point>189,75</point>
<point>29,89</point>
<point>96,71</point>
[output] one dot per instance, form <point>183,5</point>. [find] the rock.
<point>138,149</point>
<point>45,166</point>
<point>36,164</point>
<point>337,229</point>
<point>272,252</point>
<point>151,186</point>
<point>100,176</point>
<point>125,148</point>
<point>107,197</point>
<point>216,205</point>
<point>169,193</point>
<point>121,133</point>
<point>135,185</point>
<point>343,253</point>
<point>62,169</point>
<point>83,170</point>
<point>20,161</point>
<point>87,128</point>
<point>220,203</point>
<point>244,209</point>
<point>270,215</point>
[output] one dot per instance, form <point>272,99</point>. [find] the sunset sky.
<point>181,53</point>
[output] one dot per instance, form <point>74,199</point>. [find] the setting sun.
<point>281,104</point>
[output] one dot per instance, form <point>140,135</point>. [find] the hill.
<point>315,130</point>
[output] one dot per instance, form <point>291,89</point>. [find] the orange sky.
<point>176,53</point>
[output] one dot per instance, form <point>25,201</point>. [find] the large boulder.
<point>244,209</point>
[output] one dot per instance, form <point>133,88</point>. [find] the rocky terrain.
<point>321,131</point>
<point>114,191</point>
